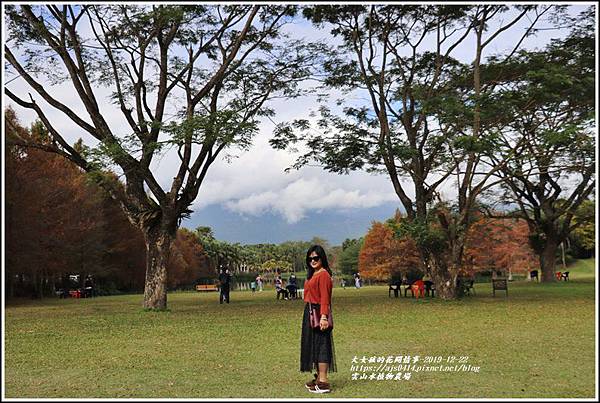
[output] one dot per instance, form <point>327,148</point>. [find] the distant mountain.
<point>334,226</point>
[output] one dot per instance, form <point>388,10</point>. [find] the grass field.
<point>539,342</point>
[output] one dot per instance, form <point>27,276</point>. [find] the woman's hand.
<point>324,324</point>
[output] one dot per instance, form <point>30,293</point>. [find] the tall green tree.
<point>347,260</point>
<point>401,60</point>
<point>194,79</point>
<point>548,100</point>
<point>220,254</point>
<point>583,238</point>
<point>295,252</point>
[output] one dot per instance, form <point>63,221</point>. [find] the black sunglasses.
<point>314,258</point>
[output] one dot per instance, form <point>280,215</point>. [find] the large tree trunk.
<point>158,245</point>
<point>445,283</point>
<point>443,278</point>
<point>548,259</point>
<point>444,265</point>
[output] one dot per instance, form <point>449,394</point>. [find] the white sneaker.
<point>320,387</point>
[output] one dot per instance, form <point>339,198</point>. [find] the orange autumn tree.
<point>59,222</point>
<point>383,256</point>
<point>493,244</point>
<point>188,261</point>
<point>500,244</point>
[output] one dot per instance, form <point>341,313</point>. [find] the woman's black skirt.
<point>315,346</point>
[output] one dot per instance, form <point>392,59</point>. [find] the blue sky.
<point>334,225</point>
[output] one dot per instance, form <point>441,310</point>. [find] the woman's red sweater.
<point>317,290</point>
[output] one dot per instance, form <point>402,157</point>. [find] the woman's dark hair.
<point>318,249</point>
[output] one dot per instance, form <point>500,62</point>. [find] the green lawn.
<point>537,343</point>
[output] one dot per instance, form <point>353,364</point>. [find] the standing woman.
<point>316,347</point>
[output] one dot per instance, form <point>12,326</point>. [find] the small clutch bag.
<point>315,317</point>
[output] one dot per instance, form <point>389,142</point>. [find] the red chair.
<point>75,293</point>
<point>418,288</point>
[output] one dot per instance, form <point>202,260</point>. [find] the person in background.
<point>293,279</point>
<point>279,288</point>
<point>357,281</point>
<point>225,281</point>
<point>88,287</point>
<point>292,286</point>
<point>253,286</point>
<point>259,282</point>
<point>316,345</point>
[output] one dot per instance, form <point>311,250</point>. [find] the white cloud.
<point>301,195</point>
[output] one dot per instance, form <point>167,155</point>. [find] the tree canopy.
<point>194,79</point>
<point>415,112</point>
<point>547,98</point>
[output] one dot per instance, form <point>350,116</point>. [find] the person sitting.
<point>292,291</point>
<point>280,289</point>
